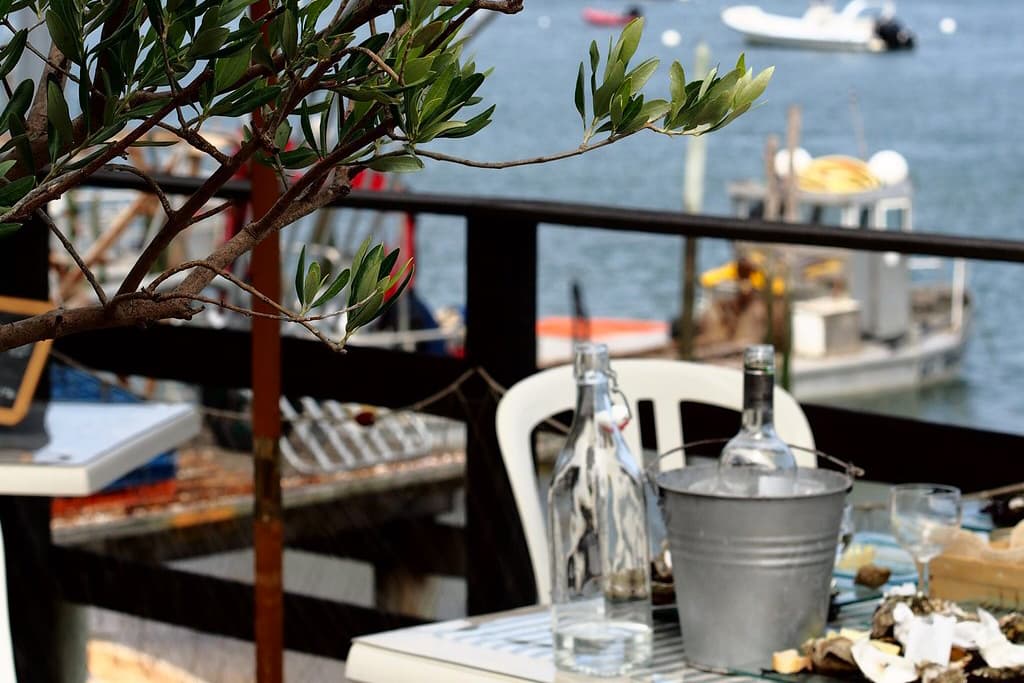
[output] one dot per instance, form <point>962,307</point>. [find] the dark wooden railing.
<point>501,286</point>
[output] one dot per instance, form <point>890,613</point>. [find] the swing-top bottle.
<point>597,527</point>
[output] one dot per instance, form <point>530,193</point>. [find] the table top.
<point>214,486</point>
<point>93,444</point>
<point>516,646</point>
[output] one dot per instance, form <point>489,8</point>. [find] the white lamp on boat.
<point>890,167</point>
<point>801,159</point>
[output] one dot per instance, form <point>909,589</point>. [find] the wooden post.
<point>771,213</point>
<point>771,180</point>
<point>792,142</point>
<point>693,198</point>
<point>501,337</point>
<point>792,215</point>
<point>268,531</point>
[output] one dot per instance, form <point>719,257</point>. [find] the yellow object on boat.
<point>837,173</point>
<point>730,273</point>
<point>828,267</point>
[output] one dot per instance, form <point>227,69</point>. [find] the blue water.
<point>951,107</point>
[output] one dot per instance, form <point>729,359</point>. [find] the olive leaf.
<point>580,102</point>
<point>299,272</point>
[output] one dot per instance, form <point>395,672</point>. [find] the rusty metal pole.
<point>268,532</point>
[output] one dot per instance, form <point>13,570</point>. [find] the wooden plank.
<point>373,528</point>
<point>984,581</point>
<point>212,506</point>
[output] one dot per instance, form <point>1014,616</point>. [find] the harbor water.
<point>951,107</point>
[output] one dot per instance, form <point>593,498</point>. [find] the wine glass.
<point>924,518</point>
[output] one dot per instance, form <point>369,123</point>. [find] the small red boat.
<point>601,17</point>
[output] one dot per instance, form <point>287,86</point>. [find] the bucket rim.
<point>851,470</point>
<point>832,491</point>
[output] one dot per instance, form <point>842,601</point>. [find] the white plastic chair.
<point>665,383</point>
<point>7,671</point>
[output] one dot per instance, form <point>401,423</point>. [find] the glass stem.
<point>923,586</point>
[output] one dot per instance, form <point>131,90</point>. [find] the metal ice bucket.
<point>752,575</point>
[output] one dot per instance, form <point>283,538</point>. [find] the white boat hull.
<point>876,368</point>
<point>820,29</point>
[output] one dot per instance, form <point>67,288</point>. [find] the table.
<point>93,444</point>
<point>516,646</point>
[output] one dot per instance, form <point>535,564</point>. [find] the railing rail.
<point>514,212</point>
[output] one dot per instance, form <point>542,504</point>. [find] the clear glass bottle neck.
<point>592,383</point>
<point>592,396</point>
<point>758,388</point>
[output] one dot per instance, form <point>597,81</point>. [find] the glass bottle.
<point>597,528</point>
<point>756,462</point>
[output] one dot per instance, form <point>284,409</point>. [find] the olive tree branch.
<point>135,309</point>
<point>70,248</point>
<point>503,6</point>
<point>223,206</point>
<point>248,312</point>
<point>44,192</point>
<point>288,209</point>
<point>35,124</point>
<point>172,80</point>
<point>582,149</point>
<point>283,314</point>
<point>146,178</point>
<point>52,64</point>
<point>197,141</point>
<point>180,219</point>
<point>375,58</point>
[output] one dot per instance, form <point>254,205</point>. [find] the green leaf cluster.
<point>611,100</point>
<point>372,280</point>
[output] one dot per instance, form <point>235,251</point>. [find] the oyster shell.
<point>987,674</point>
<point>882,622</point>
<point>881,667</point>
<point>831,656</point>
<point>933,673</point>
<point>1013,627</point>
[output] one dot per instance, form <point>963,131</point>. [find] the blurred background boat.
<point>601,17</point>
<point>852,322</point>
<point>860,25</point>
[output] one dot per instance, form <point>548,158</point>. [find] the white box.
<point>826,326</point>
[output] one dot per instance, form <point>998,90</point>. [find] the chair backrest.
<point>7,670</point>
<point>665,383</point>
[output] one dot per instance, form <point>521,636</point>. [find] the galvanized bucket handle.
<point>851,470</point>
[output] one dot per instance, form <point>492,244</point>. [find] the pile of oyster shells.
<point>914,638</point>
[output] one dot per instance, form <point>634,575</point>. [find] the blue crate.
<point>69,384</point>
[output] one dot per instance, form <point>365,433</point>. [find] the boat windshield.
<point>857,8</point>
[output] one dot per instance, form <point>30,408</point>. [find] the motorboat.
<point>601,17</point>
<point>862,25</point>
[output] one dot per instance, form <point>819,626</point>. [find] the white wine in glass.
<point>924,518</point>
